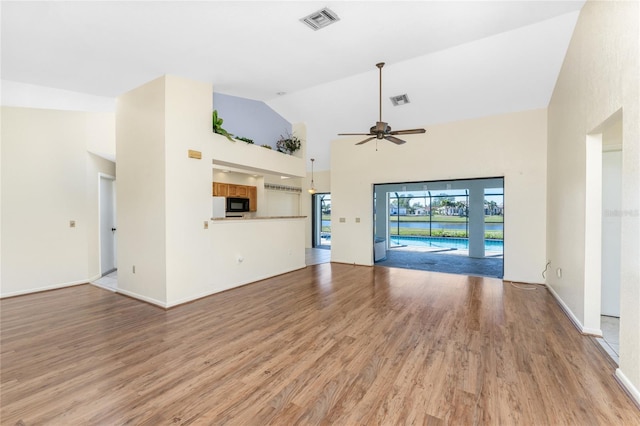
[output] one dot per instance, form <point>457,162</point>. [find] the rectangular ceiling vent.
<point>320,19</point>
<point>399,100</point>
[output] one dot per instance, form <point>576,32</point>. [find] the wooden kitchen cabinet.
<point>238,191</point>
<point>220,189</point>
<point>253,198</point>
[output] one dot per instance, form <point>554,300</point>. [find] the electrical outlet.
<point>343,220</point>
<point>559,272</point>
<point>357,220</point>
<point>72,224</point>
<point>206,224</point>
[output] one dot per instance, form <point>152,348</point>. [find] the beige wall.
<point>48,179</point>
<point>510,145</point>
<point>140,196</point>
<point>164,200</point>
<point>599,78</point>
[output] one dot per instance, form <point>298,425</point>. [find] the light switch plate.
<point>343,220</point>
<point>357,220</point>
<point>72,224</point>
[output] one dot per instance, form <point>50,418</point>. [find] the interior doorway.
<point>321,219</point>
<point>107,212</point>
<point>604,192</point>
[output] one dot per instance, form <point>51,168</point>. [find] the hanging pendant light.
<point>312,190</point>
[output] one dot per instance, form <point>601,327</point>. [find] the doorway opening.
<point>320,251</point>
<point>321,217</point>
<point>453,226</point>
<point>603,232</point>
<point>107,235</point>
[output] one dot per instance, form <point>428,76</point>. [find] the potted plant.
<point>288,144</point>
<point>217,126</point>
<point>243,139</point>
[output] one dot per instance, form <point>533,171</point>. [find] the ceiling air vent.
<point>399,100</point>
<point>320,19</point>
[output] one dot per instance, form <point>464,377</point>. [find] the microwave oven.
<point>237,204</point>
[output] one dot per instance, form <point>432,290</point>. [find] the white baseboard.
<point>576,322</point>
<point>522,281</point>
<point>104,287</point>
<point>45,288</point>
<point>628,386</point>
<point>95,277</point>
<point>143,298</point>
<point>592,331</point>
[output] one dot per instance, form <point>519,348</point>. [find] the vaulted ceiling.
<point>455,60</point>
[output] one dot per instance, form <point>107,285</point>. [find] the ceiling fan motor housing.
<point>380,126</point>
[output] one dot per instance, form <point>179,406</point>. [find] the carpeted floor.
<point>443,262</point>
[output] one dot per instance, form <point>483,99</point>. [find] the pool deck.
<point>448,261</point>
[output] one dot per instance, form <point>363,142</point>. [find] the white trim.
<point>576,322</point>
<point>104,287</point>
<point>593,231</point>
<point>143,298</point>
<point>45,288</point>
<point>628,386</point>
<point>596,332</point>
<point>521,281</point>
<point>610,148</point>
<point>107,176</point>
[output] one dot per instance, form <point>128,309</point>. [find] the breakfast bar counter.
<point>257,218</point>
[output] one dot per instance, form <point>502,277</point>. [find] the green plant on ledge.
<point>266,146</point>
<point>288,144</point>
<point>243,139</point>
<point>217,126</point>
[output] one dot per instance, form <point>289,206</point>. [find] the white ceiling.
<point>454,59</point>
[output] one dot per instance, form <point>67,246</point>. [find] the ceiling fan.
<point>382,130</point>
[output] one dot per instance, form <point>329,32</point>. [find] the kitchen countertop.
<point>256,218</point>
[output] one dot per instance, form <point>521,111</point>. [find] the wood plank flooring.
<point>329,344</point>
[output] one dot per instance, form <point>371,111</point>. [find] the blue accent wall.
<point>251,119</point>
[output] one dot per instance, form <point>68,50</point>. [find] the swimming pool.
<point>446,242</point>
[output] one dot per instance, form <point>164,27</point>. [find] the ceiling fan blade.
<point>395,140</point>
<point>355,134</point>
<point>407,132</point>
<point>366,140</point>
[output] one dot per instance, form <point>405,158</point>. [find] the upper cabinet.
<point>241,191</point>
<point>238,191</point>
<point>220,189</point>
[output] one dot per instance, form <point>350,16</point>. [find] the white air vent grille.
<point>399,100</point>
<point>320,19</point>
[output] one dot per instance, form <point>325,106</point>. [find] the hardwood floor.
<point>329,344</point>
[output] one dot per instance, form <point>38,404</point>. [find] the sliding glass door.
<point>321,219</point>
